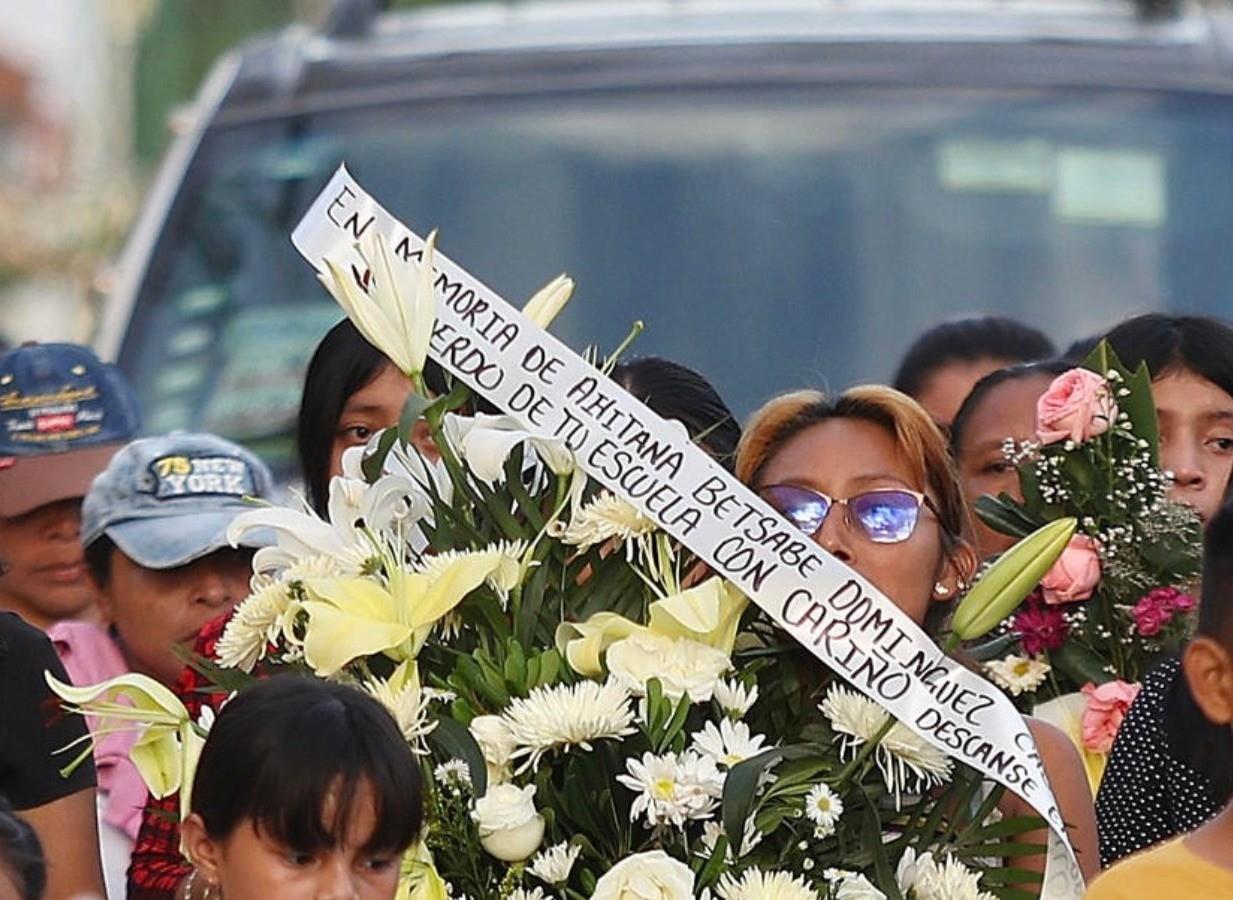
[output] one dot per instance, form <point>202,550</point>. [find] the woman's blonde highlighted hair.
<point>923,446</point>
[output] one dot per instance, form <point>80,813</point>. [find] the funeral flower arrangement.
<point>1120,597</point>
<point>596,718</point>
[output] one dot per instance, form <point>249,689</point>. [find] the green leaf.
<point>1005,516</point>
<point>453,740</point>
<point>222,680</point>
<point>1080,663</point>
<point>372,465</point>
<point>413,410</point>
<point>741,785</point>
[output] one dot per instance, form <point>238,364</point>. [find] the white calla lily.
<point>396,314</point>
<point>485,442</point>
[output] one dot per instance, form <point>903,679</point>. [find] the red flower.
<point>1040,627</point>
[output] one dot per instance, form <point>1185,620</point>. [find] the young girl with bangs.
<point>867,476</point>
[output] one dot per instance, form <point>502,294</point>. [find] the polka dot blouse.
<point>1147,795</point>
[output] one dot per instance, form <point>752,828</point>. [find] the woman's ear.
<point>957,572</point>
<point>202,850</point>
<point>1209,672</point>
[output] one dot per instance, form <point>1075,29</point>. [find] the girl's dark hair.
<point>343,363</point>
<point>292,754</point>
<point>969,340</point>
<point>1198,344</point>
<point>1192,738</point>
<point>677,392</point>
<point>971,403</point>
<point>21,854</point>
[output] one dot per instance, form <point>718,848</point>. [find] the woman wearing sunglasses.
<point>867,475</point>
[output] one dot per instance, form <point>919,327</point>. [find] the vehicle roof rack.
<point>352,18</point>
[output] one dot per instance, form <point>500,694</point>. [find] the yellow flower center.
<point>664,788</point>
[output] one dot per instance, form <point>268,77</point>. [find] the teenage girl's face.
<point>42,568</point>
<point>1007,410</point>
<point>845,457</point>
<point>250,865</point>
<point>949,385</point>
<point>1196,438</point>
<point>375,406</point>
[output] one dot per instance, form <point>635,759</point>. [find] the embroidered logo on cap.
<point>200,476</point>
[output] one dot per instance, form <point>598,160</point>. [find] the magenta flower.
<point>1040,627</point>
<point>1157,608</point>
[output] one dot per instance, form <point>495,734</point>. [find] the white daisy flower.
<point>257,622</point>
<point>734,698</point>
<point>673,789</point>
<point>823,807</point>
<point>905,760</point>
<point>454,776</point>
<point>553,865</point>
<point>712,831</point>
<point>754,884</point>
<point>1018,673</point>
<point>847,885</point>
<point>567,716</point>
<point>728,744</point>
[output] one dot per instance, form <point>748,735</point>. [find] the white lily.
<point>549,301</point>
<point>395,314</point>
<point>168,747</point>
<point>485,443</point>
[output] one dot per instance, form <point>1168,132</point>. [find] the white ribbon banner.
<point>843,619</point>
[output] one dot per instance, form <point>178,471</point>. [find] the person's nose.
<point>211,587</point>
<point>1186,464</point>
<point>835,536</point>
<point>63,524</point>
<point>337,882</point>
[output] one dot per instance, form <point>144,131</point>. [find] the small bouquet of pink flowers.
<point>1119,598</point>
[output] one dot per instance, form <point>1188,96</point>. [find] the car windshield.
<point>770,239</point>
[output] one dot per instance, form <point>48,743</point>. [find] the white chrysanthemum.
<point>712,831</point>
<point>921,878</point>
<point>504,578</point>
<point>567,715</point>
<point>754,884</point>
<point>673,789</point>
<point>1018,673</point>
<point>401,695</point>
<point>851,886</point>
<point>533,893</point>
<point>348,562</point>
<point>905,760</point>
<point>454,776</point>
<point>734,698</point>
<point>553,865</point>
<point>257,622</point>
<point>728,744</point>
<point>496,743</point>
<point>608,517</point>
<point>823,807</point>
<point>438,695</point>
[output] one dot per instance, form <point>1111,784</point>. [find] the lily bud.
<point>1011,578</point>
<point>549,300</point>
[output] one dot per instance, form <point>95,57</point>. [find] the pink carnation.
<point>1106,708</point>
<point>1075,574</point>
<point>1076,407</point>
<point>1040,628</point>
<point>1157,608</point>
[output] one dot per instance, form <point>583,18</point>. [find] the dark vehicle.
<point>787,193</point>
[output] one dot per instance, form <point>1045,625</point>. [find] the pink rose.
<point>1075,574</point>
<point>1106,707</point>
<point>1077,406</point>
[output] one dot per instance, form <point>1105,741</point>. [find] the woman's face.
<point>1008,410</point>
<point>250,865</point>
<point>845,457</point>
<point>1196,438</point>
<point>375,406</point>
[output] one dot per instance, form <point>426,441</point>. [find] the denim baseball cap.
<point>166,501</point>
<point>63,414</point>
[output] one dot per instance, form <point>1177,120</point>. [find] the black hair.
<point>343,363</point>
<point>969,340</point>
<point>1081,348</point>
<point>1203,745</point>
<point>21,854</point>
<point>292,753</point>
<point>982,388</point>
<point>1198,344</point>
<point>678,392</point>
<point>98,559</point>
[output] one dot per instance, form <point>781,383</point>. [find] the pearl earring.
<point>941,590</point>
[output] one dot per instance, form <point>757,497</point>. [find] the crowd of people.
<point>115,558</point>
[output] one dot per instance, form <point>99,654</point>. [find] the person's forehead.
<point>841,452</point>
<point>1007,410</point>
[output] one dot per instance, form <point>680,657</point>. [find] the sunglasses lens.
<point>804,509</point>
<point>886,517</point>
